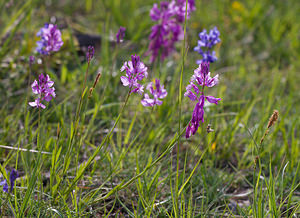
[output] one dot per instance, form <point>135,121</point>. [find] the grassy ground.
<point>134,172</point>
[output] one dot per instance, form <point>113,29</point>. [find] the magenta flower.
<point>50,39</point>
<point>161,38</point>
<point>179,7</point>
<point>135,71</point>
<point>169,29</point>
<point>43,88</point>
<point>158,92</point>
<point>120,35</point>
<point>199,80</point>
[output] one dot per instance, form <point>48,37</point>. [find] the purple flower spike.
<point>199,80</point>
<point>43,88</point>
<point>90,53</point>
<point>180,7</point>
<point>135,71</point>
<point>31,60</point>
<point>205,44</point>
<point>50,39</point>
<point>158,92</point>
<point>169,30</point>
<point>12,178</point>
<point>120,35</point>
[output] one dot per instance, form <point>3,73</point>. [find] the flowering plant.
<point>43,88</point>
<point>195,92</point>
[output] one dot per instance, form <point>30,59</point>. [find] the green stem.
<point>179,107</point>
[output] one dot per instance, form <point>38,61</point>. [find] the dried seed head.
<point>97,79</point>
<point>91,92</point>
<point>272,121</point>
<point>95,83</point>
<point>273,118</point>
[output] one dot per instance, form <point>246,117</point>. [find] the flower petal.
<point>190,95</point>
<point>212,99</point>
<point>125,80</point>
<point>212,81</point>
<point>32,104</point>
<point>188,131</point>
<point>147,102</point>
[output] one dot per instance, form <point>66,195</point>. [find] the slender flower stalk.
<point>89,55</point>
<point>45,91</point>
<point>30,63</point>
<point>119,39</point>
<point>175,198</point>
<point>89,161</point>
<point>95,83</point>
<point>135,71</point>
<point>180,7</point>
<point>195,92</point>
<point>257,161</point>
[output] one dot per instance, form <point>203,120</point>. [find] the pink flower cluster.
<point>43,88</point>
